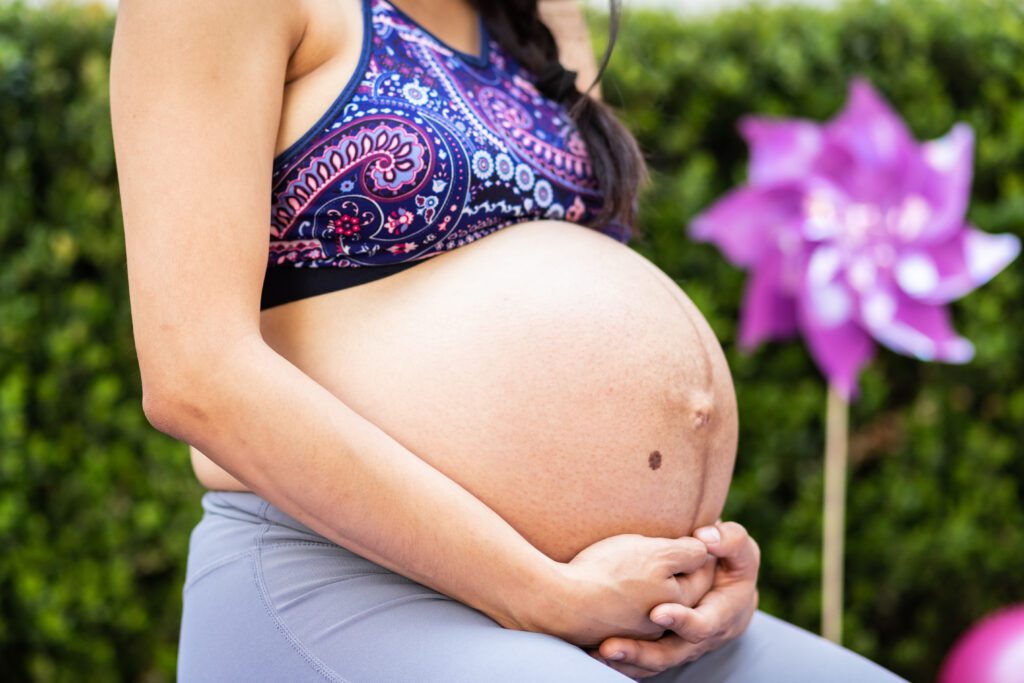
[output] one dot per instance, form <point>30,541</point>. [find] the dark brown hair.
<point>618,162</point>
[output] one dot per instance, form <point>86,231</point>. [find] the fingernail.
<point>616,656</point>
<point>663,620</point>
<point>708,534</point>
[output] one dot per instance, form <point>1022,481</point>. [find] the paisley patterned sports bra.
<point>426,149</point>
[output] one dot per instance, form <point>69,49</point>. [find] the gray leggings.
<point>268,599</point>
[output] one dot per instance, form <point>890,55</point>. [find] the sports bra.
<point>426,149</point>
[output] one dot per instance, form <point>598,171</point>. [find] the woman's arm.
<point>196,95</point>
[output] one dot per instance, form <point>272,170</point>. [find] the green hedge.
<point>96,506</point>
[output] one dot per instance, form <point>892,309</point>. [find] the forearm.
<point>297,445</point>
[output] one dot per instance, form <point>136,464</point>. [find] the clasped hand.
<point>713,589</point>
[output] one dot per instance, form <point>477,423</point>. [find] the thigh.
<point>774,650</point>
<point>286,604</point>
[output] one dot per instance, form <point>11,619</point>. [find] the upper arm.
<point>195,97</point>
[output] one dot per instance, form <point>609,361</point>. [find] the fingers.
<point>634,672</point>
<point>694,586</point>
<point>693,626</point>
<point>722,614</point>
<point>731,543</point>
<point>641,658</point>
<point>683,555</point>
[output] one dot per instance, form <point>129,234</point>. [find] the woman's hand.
<point>722,614</point>
<point>609,588</point>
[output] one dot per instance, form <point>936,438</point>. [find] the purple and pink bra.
<point>426,149</point>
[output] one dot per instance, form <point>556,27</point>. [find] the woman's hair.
<point>618,162</point>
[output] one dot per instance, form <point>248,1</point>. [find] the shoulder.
<point>168,23</point>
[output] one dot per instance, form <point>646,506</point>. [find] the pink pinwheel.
<point>855,234</point>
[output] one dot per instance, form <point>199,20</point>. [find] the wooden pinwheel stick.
<point>834,527</point>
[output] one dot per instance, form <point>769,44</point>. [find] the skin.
<point>204,126</point>
<point>721,615</point>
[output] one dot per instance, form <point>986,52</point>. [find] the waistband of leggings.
<point>249,507</point>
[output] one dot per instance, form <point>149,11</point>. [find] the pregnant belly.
<point>553,372</point>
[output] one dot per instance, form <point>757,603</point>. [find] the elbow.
<point>171,390</point>
<point>157,409</point>
<point>186,389</point>
<point>163,412</point>
<point>172,411</point>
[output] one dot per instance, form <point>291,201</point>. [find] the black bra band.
<point>283,284</point>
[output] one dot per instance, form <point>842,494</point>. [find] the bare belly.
<point>553,372</point>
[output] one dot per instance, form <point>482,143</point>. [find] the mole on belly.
<point>654,460</point>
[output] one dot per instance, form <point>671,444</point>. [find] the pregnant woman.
<point>452,427</point>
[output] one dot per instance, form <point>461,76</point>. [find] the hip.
<point>268,599</point>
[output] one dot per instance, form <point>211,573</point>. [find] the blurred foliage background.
<point>96,505</point>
